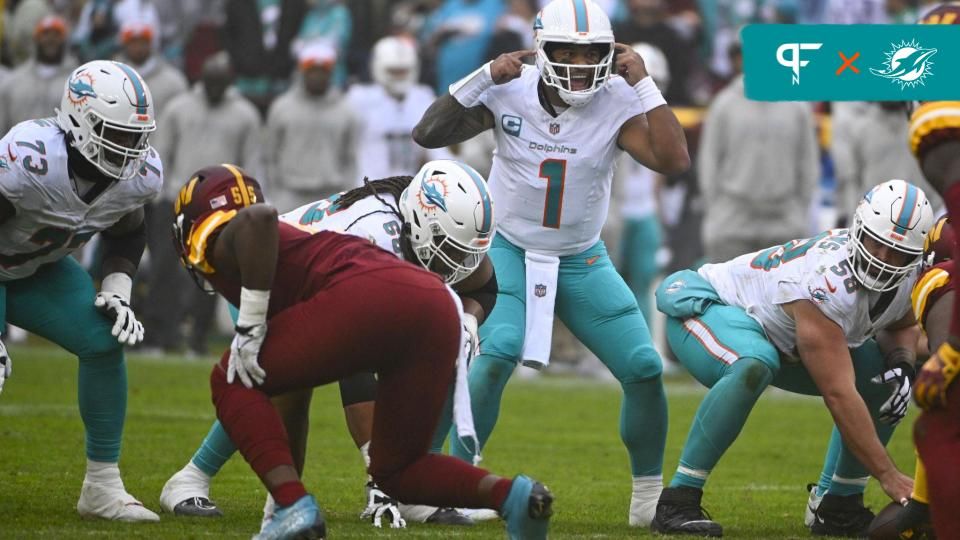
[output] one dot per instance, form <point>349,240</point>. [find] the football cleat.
<point>302,520</point>
<point>187,493</point>
<point>842,515</point>
<point>527,509</point>
<point>813,502</point>
<point>419,513</point>
<point>111,501</point>
<point>479,514</point>
<point>679,512</point>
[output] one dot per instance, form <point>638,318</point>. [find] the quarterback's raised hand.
<point>629,64</point>
<point>6,365</point>
<point>379,506</point>
<point>113,300</point>
<point>507,66</point>
<point>895,408</point>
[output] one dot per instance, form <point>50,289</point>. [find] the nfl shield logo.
<point>540,290</point>
<point>554,128</point>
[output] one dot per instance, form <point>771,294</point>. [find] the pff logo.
<point>794,62</point>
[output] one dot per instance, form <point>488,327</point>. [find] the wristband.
<point>467,91</point>
<point>253,307</point>
<point>117,283</point>
<point>649,94</point>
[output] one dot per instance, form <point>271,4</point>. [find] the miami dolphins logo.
<point>80,88</point>
<point>907,64</point>
<point>433,193</point>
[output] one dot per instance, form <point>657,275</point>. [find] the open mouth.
<point>579,83</point>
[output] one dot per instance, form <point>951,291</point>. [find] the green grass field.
<point>562,431</point>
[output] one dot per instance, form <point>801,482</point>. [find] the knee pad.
<point>101,346</point>
<point>751,374</point>
<point>643,363</point>
<point>492,371</point>
<point>503,340</point>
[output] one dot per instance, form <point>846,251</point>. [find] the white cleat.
<point>187,493</point>
<point>111,501</point>
<point>480,514</point>
<point>643,501</point>
<point>813,502</point>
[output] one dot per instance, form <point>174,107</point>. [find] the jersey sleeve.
<point>151,174</point>
<point>933,123</point>
<point>933,284</point>
<point>22,163</point>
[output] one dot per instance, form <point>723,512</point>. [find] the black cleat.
<point>197,507</point>
<point>679,512</point>
<point>842,515</point>
<point>448,516</point>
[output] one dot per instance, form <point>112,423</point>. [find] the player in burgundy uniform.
<point>315,308</point>
<point>937,431</point>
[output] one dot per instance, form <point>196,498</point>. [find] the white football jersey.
<point>385,145</point>
<point>51,219</point>
<point>367,218</point>
<point>814,269</point>
<point>551,176</point>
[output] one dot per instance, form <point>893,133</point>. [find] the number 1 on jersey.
<point>554,171</point>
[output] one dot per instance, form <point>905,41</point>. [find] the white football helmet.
<point>656,62</point>
<point>108,112</point>
<point>896,214</point>
<point>449,213</point>
<point>391,55</point>
<point>580,22</point>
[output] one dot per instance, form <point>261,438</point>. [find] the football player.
<point>802,317</point>
<point>392,214</point>
<point>284,280</point>
<point>389,108</point>
<point>64,179</point>
<point>559,129</point>
<point>937,429</point>
<point>935,140</point>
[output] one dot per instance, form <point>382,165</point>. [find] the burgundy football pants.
<point>397,321</point>
<point>937,435</point>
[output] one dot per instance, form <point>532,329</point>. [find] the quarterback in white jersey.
<point>395,214</point>
<point>63,180</point>
<point>829,315</point>
<point>559,128</point>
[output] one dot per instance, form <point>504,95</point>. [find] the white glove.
<point>114,301</point>
<point>471,337</point>
<point>244,350</point>
<point>6,365</point>
<point>895,408</point>
<point>380,505</point>
<point>251,330</point>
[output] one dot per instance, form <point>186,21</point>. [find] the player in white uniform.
<point>63,180</point>
<point>388,110</point>
<point>829,315</point>
<point>385,212</point>
<point>559,129</point>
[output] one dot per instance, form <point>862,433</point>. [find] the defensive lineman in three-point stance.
<point>559,129</point>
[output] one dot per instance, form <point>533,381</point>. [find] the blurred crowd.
<point>312,95</point>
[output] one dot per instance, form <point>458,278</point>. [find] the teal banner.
<point>858,62</point>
